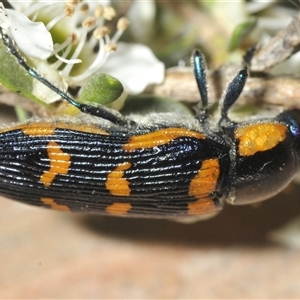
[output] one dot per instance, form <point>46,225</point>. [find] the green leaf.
<point>101,89</point>
<point>14,76</point>
<point>239,34</point>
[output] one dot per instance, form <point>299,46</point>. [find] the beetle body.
<point>166,172</point>
<point>163,166</point>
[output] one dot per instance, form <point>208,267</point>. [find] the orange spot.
<point>259,137</point>
<point>158,138</point>
<point>116,183</point>
<point>59,163</point>
<point>119,208</point>
<point>46,128</point>
<point>202,185</point>
<point>89,128</point>
<point>54,205</point>
<point>38,129</point>
<point>202,207</point>
<point>205,181</point>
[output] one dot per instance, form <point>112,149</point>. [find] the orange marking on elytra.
<point>205,181</point>
<point>158,138</point>
<point>38,129</point>
<point>119,208</point>
<point>202,207</point>
<point>259,137</point>
<point>202,185</point>
<point>59,163</point>
<point>89,128</point>
<point>116,183</point>
<point>51,202</point>
<point>47,128</point>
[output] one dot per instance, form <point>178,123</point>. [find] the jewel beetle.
<point>157,166</point>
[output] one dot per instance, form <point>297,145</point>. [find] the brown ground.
<point>46,254</point>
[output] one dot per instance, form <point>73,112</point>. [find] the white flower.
<point>18,26</point>
<point>82,43</point>
<point>133,64</point>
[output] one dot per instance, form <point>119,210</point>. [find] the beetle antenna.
<point>101,111</point>
<point>201,79</point>
<point>248,56</point>
<point>235,87</point>
<point>231,94</point>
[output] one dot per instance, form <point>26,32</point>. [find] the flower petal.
<point>21,5</point>
<point>32,38</point>
<point>135,66</point>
